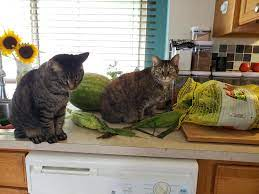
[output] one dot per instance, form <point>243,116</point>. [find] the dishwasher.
<point>71,173</point>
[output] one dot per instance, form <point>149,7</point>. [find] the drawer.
<point>12,169</point>
<point>4,190</point>
<point>236,179</point>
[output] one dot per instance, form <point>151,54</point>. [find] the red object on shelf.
<point>255,67</point>
<point>244,67</point>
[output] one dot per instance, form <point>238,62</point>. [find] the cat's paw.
<point>52,139</point>
<point>37,139</point>
<point>62,136</point>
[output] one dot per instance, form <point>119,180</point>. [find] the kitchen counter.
<point>173,146</point>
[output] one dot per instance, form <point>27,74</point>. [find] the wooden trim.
<point>11,190</point>
<point>15,151</point>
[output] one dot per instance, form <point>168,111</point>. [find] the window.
<point>15,14</point>
<point>121,32</point>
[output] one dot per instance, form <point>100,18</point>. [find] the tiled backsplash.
<point>236,54</point>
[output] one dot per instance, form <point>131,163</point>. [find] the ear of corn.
<point>90,121</point>
<point>163,120</point>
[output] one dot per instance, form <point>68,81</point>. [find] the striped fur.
<point>40,99</point>
<point>132,95</point>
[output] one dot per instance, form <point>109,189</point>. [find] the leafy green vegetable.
<point>163,120</point>
<point>4,121</point>
<point>90,121</point>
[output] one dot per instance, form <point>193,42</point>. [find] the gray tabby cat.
<point>39,102</point>
<point>132,95</point>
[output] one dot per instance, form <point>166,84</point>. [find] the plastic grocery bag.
<point>216,103</point>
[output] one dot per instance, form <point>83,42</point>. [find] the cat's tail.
<point>18,133</point>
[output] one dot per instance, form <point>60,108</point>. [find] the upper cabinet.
<point>236,18</point>
<point>249,11</point>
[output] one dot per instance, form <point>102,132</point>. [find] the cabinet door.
<point>12,169</point>
<point>249,11</point>
<point>225,19</point>
<point>235,179</point>
<point>4,190</point>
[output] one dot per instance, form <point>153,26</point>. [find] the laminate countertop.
<point>174,145</point>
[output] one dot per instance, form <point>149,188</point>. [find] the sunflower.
<point>26,52</point>
<point>8,42</point>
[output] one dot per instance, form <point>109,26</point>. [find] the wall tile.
<point>247,57</point>
<point>237,65</point>
<point>248,49</point>
<point>215,48</point>
<point>255,57</point>
<point>222,54</point>
<point>230,57</point>
<point>236,54</point>
<point>230,65</point>
<point>214,56</point>
<point>223,48</point>
<point>240,48</point>
<point>231,49</point>
<point>256,49</point>
<point>238,57</point>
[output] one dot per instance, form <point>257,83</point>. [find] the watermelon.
<point>87,96</point>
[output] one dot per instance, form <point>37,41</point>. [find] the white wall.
<point>187,13</point>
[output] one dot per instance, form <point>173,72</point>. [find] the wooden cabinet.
<point>249,11</point>
<point>12,169</point>
<point>218,177</point>
<point>12,173</point>
<point>215,177</point>
<point>6,190</point>
<point>236,18</point>
<point>236,179</point>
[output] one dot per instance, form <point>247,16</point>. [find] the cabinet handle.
<point>257,8</point>
<point>68,171</point>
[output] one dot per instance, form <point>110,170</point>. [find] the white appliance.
<point>67,173</point>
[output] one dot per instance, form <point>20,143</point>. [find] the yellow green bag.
<point>216,103</point>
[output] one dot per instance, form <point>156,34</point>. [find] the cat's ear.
<point>82,57</point>
<point>155,60</point>
<point>54,66</point>
<point>175,60</point>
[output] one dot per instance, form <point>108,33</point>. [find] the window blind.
<point>113,31</point>
<point>122,32</point>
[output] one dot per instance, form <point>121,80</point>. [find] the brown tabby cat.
<point>40,99</point>
<point>132,95</point>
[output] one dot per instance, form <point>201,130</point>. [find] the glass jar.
<point>250,78</point>
<point>201,76</point>
<point>185,59</point>
<point>202,58</point>
<point>22,69</point>
<point>179,82</point>
<point>233,78</point>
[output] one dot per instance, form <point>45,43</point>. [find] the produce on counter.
<point>212,103</point>
<point>9,126</point>
<point>244,67</point>
<point>5,124</point>
<point>255,67</point>
<point>90,121</point>
<point>4,121</point>
<point>87,96</point>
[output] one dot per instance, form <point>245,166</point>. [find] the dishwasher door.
<point>58,173</point>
